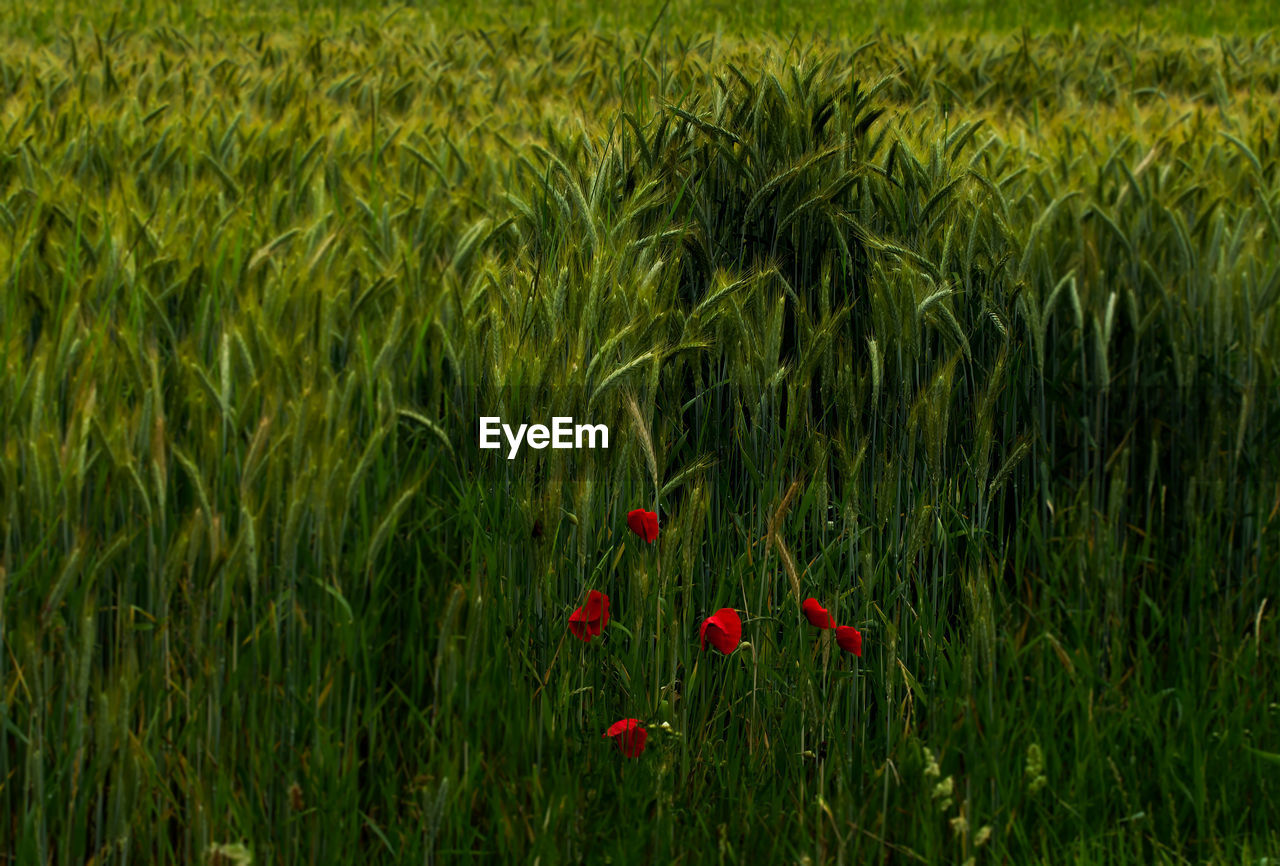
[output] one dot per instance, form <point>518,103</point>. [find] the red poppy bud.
<point>589,620</point>
<point>850,639</point>
<point>644,524</point>
<point>723,628</point>
<point>629,735</point>
<point>817,614</point>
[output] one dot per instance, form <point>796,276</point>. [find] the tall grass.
<point>971,338</point>
<point>49,20</point>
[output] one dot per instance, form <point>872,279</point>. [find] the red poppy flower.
<point>723,628</point>
<point>817,614</point>
<point>850,639</point>
<point>644,524</point>
<point>587,621</point>
<point>629,736</point>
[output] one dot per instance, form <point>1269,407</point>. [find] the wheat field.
<point>966,329</point>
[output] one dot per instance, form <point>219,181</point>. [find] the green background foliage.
<point>970,334</point>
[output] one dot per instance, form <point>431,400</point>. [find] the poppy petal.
<point>579,625</point>
<point>644,524</point>
<point>597,610</point>
<point>630,736</point>
<point>817,614</point>
<point>589,620</point>
<point>723,641</point>
<point>636,744</point>
<point>849,639</point>
<point>724,629</point>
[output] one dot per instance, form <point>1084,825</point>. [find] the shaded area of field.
<point>50,19</point>
<point>974,339</point>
